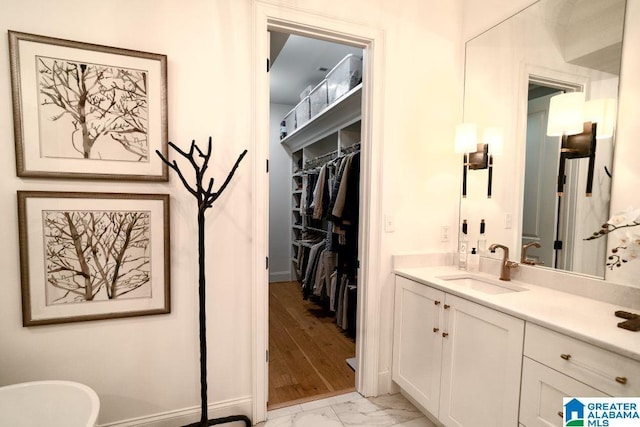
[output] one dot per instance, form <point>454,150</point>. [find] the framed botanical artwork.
<point>91,256</point>
<point>87,111</point>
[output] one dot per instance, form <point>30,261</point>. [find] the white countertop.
<point>583,318</point>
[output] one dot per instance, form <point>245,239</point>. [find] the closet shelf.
<point>345,111</point>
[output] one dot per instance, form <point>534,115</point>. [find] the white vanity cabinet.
<point>556,366</point>
<point>417,342</point>
<point>542,391</point>
<point>459,360</point>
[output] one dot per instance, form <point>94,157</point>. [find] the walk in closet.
<point>312,327</point>
<point>324,199</point>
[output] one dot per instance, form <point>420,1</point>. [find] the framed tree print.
<point>91,256</point>
<point>87,111</point>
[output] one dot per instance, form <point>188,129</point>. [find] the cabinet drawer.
<point>542,391</point>
<point>604,370</point>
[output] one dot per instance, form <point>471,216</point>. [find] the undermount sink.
<point>488,286</point>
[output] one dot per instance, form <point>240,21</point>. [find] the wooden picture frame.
<point>87,111</point>
<point>92,256</point>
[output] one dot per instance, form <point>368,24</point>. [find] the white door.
<point>481,366</point>
<point>540,184</point>
<point>417,342</point>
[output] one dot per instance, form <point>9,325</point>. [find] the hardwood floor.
<point>307,350</point>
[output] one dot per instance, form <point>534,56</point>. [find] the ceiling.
<point>297,62</point>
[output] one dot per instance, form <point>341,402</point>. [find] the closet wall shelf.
<point>345,111</point>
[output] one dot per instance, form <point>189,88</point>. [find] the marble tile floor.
<point>349,410</point>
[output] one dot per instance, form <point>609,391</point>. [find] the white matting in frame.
<point>87,111</point>
<point>92,256</point>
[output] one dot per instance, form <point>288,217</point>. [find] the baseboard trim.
<point>279,276</point>
<point>384,383</point>
<point>241,406</point>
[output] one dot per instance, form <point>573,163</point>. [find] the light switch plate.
<point>508,221</point>
<point>444,233</point>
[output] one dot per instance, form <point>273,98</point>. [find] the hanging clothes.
<point>330,201</point>
<point>312,265</point>
<point>320,194</point>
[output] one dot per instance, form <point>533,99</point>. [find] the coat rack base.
<point>222,420</point>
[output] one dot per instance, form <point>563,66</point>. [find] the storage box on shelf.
<point>303,113</point>
<point>337,117</point>
<point>306,91</point>
<point>344,77</point>
<point>290,121</point>
<point>319,98</point>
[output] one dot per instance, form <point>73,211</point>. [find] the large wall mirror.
<point>512,71</point>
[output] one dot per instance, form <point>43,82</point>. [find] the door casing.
<point>273,17</point>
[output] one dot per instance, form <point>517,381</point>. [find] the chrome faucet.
<point>523,254</point>
<point>505,271</point>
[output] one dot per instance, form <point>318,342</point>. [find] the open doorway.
<point>370,381</point>
<point>557,212</point>
<point>315,129</point>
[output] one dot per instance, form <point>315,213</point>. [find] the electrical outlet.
<point>444,233</point>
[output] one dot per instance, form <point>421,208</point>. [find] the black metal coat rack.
<point>205,198</point>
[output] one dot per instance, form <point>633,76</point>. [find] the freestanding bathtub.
<point>48,403</point>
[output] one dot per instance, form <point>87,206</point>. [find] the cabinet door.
<point>481,366</point>
<point>542,391</point>
<point>417,342</point>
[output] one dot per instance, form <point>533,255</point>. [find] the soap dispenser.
<point>473,263</point>
<point>462,248</point>
<point>482,240</point>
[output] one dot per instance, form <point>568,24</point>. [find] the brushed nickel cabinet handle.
<point>561,414</point>
<point>436,329</point>
<point>445,334</point>
<point>621,380</point>
<point>446,306</point>
<point>436,302</point>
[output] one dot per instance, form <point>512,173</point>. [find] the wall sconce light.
<point>477,156</point>
<point>579,123</point>
<point>493,138</point>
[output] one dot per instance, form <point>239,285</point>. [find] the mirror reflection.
<point>550,190</point>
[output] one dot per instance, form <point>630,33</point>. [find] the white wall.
<point>279,200</point>
<point>149,365</point>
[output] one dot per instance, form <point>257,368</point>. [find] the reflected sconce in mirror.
<point>477,156</point>
<point>579,123</point>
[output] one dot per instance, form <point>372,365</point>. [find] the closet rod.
<point>317,161</point>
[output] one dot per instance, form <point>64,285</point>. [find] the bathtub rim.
<point>93,396</point>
